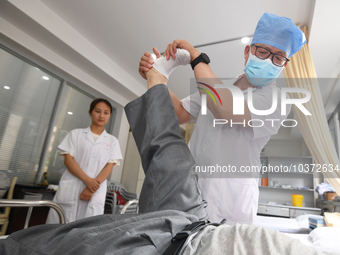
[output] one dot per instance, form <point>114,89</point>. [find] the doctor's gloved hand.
<point>86,195</point>
<point>181,44</point>
<point>92,184</point>
<point>146,62</point>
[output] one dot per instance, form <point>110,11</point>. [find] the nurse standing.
<point>90,155</point>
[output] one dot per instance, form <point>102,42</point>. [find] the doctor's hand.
<point>146,62</point>
<point>92,184</point>
<point>86,195</point>
<point>182,44</point>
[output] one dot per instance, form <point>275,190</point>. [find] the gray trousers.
<point>169,200</point>
<point>171,182</point>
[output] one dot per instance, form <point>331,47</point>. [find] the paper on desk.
<point>54,187</point>
<point>332,219</point>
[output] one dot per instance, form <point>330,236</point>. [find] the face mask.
<point>261,72</point>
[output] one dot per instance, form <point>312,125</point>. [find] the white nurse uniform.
<point>92,156</point>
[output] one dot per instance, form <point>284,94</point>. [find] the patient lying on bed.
<point>169,201</point>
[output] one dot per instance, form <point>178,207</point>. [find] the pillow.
<point>303,220</point>
<point>326,239</point>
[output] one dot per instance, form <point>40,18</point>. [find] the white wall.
<point>140,181</point>
<point>121,131</point>
<point>132,164</point>
<point>285,147</point>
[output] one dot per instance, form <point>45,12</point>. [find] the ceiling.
<point>119,32</point>
<point>124,30</point>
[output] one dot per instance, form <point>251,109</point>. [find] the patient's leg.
<point>245,239</point>
<point>154,78</point>
<point>170,183</point>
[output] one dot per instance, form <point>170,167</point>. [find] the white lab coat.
<point>234,198</point>
<point>91,157</point>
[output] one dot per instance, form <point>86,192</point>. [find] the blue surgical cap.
<point>279,32</point>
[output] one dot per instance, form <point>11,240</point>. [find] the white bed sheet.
<point>304,238</point>
<point>328,241</point>
<point>284,225</point>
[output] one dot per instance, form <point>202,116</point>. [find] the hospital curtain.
<point>300,73</point>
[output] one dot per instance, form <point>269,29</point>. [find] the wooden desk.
<point>285,211</point>
<point>18,215</point>
<point>328,205</point>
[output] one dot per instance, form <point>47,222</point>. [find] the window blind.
<point>27,98</point>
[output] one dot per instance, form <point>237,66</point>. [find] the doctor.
<point>90,155</point>
<point>234,195</point>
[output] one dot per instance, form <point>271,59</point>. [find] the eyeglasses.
<point>263,53</point>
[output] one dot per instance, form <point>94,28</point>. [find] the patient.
<point>169,201</point>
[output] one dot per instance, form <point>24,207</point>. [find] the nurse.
<point>233,195</point>
<point>90,155</point>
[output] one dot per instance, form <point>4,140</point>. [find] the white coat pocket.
<point>66,192</point>
<point>67,197</point>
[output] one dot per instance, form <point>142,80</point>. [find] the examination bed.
<point>108,233</point>
<point>31,204</point>
<point>95,233</point>
<point>324,239</point>
<point>298,225</point>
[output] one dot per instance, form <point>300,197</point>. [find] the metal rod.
<point>28,217</point>
<point>218,42</point>
<point>223,41</point>
<point>47,142</point>
<point>34,203</point>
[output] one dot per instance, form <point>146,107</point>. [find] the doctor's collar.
<point>88,130</point>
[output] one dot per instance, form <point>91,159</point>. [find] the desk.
<point>17,215</point>
<point>328,205</point>
<point>286,210</point>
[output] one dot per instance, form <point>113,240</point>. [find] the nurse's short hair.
<point>99,100</point>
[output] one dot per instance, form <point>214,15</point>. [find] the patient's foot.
<point>166,67</point>
<point>154,77</point>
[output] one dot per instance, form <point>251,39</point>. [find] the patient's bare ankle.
<point>154,77</point>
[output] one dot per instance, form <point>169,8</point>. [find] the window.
<point>27,100</point>
<point>37,110</point>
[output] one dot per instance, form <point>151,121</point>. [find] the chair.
<point>111,206</point>
<point>127,206</point>
<point>114,186</point>
<point>110,202</point>
<point>4,217</point>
